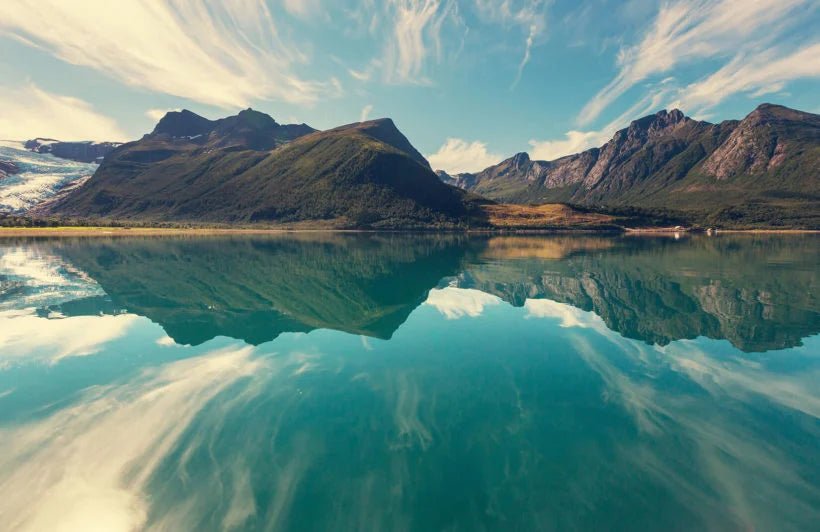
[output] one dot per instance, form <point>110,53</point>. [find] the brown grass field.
<point>549,216</point>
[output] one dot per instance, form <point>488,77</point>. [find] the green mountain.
<point>248,169</point>
<point>762,170</point>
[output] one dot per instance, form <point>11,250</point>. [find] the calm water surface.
<point>388,382</point>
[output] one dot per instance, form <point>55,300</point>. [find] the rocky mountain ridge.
<point>668,160</point>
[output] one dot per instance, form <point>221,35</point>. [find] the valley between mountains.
<point>248,170</point>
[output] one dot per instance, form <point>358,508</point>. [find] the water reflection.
<point>758,293</point>
<point>443,383</point>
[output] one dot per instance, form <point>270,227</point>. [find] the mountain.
<point>764,169</point>
<point>30,179</point>
<point>247,130</point>
<point>249,169</point>
<point>83,151</point>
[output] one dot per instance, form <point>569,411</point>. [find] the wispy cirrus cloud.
<point>29,112</point>
<point>757,75</point>
<point>220,53</point>
<point>414,38</point>
<point>689,30</point>
<point>458,155</point>
<point>365,114</point>
<point>304,9</point>
<point>529,15</point>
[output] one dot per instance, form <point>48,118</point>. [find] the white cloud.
<point>456,303</point>
<point>365,114</point>
<point>529,15</point>
<point>758,75</point>
<point>416,33</point>
<point>88,466</point>
<point>361,75</point>
<point>694,29</point>
<point>29,112</point>
<point>26,338</point>
<point>157,114</point>
<point>457,155</point>
<point>567,315</point>
<point>222,53</point>
<point>577,141</point>
<point>304,9</point>
<point>573,142</point>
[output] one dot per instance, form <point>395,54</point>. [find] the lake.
<point>326,381</point>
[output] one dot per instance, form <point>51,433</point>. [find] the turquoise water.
<point>398,382</point>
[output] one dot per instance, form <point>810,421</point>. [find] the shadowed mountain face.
<point>257,288</point>
<point>769,162</point>
<point>250,169</point>
<point>759,293</point>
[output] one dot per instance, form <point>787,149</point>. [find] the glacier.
<point>41,177</point>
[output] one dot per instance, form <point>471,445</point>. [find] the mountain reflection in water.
<point>434,382</point>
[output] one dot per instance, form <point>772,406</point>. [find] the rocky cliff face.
<point>672,161</point>
<point>84,152</point>
<point>763,142</point>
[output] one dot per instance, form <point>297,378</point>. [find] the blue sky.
<point>470,82</point>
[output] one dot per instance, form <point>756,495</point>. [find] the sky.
<point>469,82</point>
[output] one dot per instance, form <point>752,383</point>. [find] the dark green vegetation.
<point>247,169</point>
<point>763,171</point>
<point>653,289</point>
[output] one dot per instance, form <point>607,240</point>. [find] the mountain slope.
<point>249,169</point>
<point>764,169</point>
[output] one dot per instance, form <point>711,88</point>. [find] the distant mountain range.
<point>83,151</point>
<point>762,169</point>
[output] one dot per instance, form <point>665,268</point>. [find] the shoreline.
<point>79,231</point>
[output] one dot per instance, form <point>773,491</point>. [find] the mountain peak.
<point>182,123</point>
<point>385,130</point>
<point>766,112</point>
<point>256,119</point>
<point>520,159</point>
